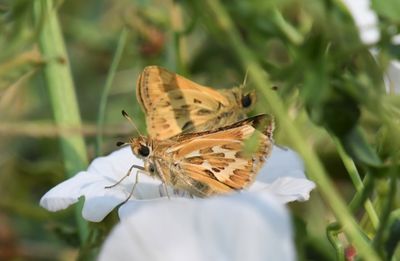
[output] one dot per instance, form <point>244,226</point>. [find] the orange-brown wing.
<point>215,161</point>
<point>174,104</point>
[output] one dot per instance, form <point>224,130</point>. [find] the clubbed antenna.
<point>120,143</point>
<point>131,121</point>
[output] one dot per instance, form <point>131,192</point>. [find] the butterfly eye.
<point>144,151</point>
<point>246,101</point>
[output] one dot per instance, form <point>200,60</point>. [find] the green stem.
<point>178,38</point>
<point>357,182</point>
<point>362,195</point>
<point>387,207</point>
<point>62,94</point>
<point>332,232</point>
<point>107,88</point>
<point>315,169</point>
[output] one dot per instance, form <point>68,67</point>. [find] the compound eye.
<point>246,101</point>
<point>144,151</point>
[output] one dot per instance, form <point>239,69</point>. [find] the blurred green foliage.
<point>331,85</point>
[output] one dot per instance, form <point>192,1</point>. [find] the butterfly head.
<point>247,100</point>
<point>141,147</point>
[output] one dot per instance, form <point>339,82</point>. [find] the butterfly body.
<point>209,162</point>
<point>174,104</point>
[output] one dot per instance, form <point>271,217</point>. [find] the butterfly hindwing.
<point>215,162</point>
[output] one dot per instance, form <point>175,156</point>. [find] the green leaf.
<point>357,146</point>
<point>388,143</point>
<point>69,235</point>
<point>389,9</point>
<point>393,239</point>
<point>394,50</point>
<point>386,170</point>
<point>340,115</point>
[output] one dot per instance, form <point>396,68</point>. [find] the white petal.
<point>282,162</point>
<point>115,165</point>
<point>100,201</point>
<point>283,176</point>
<point>102,172</point>
<point>393,76</point>
<point>67,192</point>
<point>286,189</point>
<point>106,171</point>
<point>241,227</point>
<point>366,20</point>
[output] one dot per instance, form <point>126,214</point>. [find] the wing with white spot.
<point>215,162</point>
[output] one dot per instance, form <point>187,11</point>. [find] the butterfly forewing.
<point>174,104</point>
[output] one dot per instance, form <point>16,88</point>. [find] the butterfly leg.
<point>133,187</point>
<point>161,175</point>
<point>166,190</point>
<point>126,175</point>
<point>196,188</point>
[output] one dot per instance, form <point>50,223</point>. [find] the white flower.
<point>367,23</point>
<point>244,226</point>
<point>392,77</point>
<point>365,19</point>
<point>282,175</point>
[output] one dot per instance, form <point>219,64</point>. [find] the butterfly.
<point>174,104</point>
<point>209,162</point>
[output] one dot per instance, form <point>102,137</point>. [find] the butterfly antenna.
<point>121,143</point>
<point>245,78</point>
<point>131,121</point>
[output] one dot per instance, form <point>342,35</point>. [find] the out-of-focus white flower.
<point>365,19</point>
<point>282,175</point>
<point>246,226</point>
<point>367,23</point>
<point>392,77</point>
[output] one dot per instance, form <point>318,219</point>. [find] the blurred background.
<point>332,86</point>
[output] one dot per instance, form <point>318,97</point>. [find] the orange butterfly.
<point>208,162</point>
<point>174,104</point>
